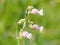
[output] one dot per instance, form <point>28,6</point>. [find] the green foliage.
<point>13,10</point>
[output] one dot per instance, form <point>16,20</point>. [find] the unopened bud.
<point>30,8</point>
<point>21,21</point>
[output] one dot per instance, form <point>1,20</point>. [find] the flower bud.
<point>30,26</point>
<point>34,11</point>
<point>35,26</point>
<point>24,34</point>
<point>21,21</point>
<point>30,8</point>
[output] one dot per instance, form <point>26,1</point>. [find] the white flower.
<point>41,28</point>
<point>41,12</point>
<point>29,36</point>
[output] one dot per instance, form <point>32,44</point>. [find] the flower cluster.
<point>31,24</point>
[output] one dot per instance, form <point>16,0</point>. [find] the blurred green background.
<point>13,10</point>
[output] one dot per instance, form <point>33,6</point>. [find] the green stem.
<point>26,18</point>
<point>18,42</point>
<point>23,42</point>
<point>17,38</point>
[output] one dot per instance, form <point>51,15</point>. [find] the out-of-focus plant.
<point>23,33</point>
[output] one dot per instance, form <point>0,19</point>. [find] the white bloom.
<point>41,28</point>
<point>41,12</point>
<point>29,36</point>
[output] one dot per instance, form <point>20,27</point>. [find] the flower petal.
<point>41,12</point>
<point>29,36</point>
<point>41,28</point>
